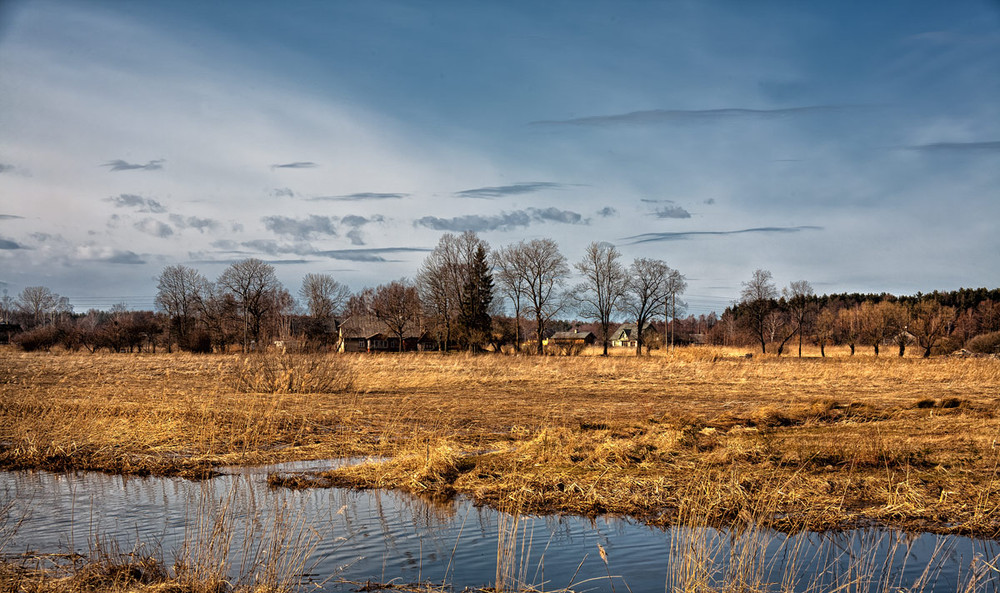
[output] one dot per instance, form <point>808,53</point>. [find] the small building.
<point>571,338</point>
<point>626,335</point>
<point>365,333</point>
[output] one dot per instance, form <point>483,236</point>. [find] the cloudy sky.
<point>853,145</point>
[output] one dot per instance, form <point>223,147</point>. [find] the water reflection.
<point>384,536</point>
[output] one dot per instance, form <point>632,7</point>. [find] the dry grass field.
<point>698,435</point>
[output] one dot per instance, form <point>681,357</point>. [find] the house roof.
<point>368,326</point>
<point>571,335</point>
<point>626,331</point>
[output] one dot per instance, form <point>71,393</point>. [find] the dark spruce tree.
<point>476,300</point>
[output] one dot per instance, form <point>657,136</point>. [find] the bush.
<point>291,373</point>
<point>40,338</point>
<point>985,344</point>
<point>198,342</point>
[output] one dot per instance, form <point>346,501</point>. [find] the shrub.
<point>40,338</point>
<point>291,373</point>
<point>198,342</point>
<point>985,343</point>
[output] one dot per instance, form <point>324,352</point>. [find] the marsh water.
<point>393,537</point>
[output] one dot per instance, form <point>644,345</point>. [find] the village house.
<point>365,333</point>
<point>626,335</point>
<point>570,341</point>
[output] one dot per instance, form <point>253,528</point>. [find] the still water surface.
<point>388,536</point>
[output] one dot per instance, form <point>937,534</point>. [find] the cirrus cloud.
<point>500,222</point>
<point>121,165</point>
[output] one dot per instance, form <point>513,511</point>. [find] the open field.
<point>817,443</point>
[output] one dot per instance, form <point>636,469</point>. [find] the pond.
<point>324,537</point>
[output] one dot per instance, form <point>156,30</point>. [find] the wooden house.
<point>365,333</point>
<point>626,335</point>
<point>571,338</point>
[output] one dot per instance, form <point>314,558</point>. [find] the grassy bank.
<point>817,442</point>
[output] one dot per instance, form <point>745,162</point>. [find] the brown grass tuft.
<point>840,439</point>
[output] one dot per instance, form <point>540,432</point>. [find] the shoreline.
<point>902,443</point>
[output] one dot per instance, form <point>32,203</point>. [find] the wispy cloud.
<point>991,146</point>
<point>316,226</point>
<point>124,257</point>
<point>7,244</point>
<point>359,197</point>
<point>138,202</point>
<point>652,237</point>
<point>154,228</point>
<point>282,192</point>
<point>194,222</point>
<point>660,116</point>
<point>356,235</point>
<point>272,247</point>
<point>227,244</point>
<point>672,212</point>
<point>296,165</point>
<point>557,215</point>
<point>10,217</point>
<point>509,190</point>
<point>369,255</point>
<point>4,167</point>
<point>120,165</point>
<point>500,222</point>
<point>607,212</point>
<point>301,228</point>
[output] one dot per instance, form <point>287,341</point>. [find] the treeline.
<point>936,323</point>
<point>458,299</point>
<point>464,292</point>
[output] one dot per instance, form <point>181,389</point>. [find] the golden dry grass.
<point>820,442</point>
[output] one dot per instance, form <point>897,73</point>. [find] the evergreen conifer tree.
<point>477,298</point>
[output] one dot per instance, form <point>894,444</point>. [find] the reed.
<point>850,440</point>
<point>275,550</point>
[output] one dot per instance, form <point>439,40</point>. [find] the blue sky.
<point>853,145</point>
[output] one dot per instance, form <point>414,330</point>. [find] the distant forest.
<point>462,298</point>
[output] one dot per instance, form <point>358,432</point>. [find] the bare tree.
<point>648,282</point>
<point>324,297</point>
<point>781,325</point>
<point>676,285</point>
<point>801,308</point>
<point>511,275</point>
<point>397,305</point>
<point>433,284</point>
<point>177,293</point>
<point>825,328</point>
<point>899,325</point>
<point>6,307</point>
<point>930,324</point>
<point>218,315</point>
<point>39,304</point>
<point>444,278</point>
<point>876,322</point>
<point>360,303</point>
<point>253,285</point>
<point>545,272</point>
<point>756,302</point>
<point>604,286</point>
<point>848,327</point>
